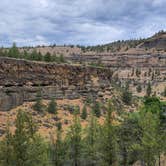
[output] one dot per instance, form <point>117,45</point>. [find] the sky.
<point>83,22</point>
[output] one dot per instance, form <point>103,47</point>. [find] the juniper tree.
<point>126,95</point>
<point>38,106</point>
<point>149,90</point>
<point>52,107</point>
<point>96,109</point>
<point>84,112</point>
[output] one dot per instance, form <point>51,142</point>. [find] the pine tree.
<point>29,148</point>
<point>38,106</point>
<point>6,149</point>
<point>96,109</point>
<point>35,56</point>
<point>84,112</point>
<point>47,57</point>
<point>13,51</point>
<point>148,146</point>
<point>91,142</point>
<point>128,134</point>
<point>109,140</point>
<point>37,152</point>
<point>127,95</point>
<point>57,150</point>
<point>25,55</point>
<point>21,139</point>
<point>148,90</point>
<point>52,107</point>
<point>75,141</point>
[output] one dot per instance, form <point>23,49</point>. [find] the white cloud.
<point>158,2</point>
<point>79,22</point>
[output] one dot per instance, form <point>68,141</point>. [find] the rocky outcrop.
<point>157,41</point>
<point>20,81</point>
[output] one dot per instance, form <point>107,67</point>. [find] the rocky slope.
<point>21,80</point>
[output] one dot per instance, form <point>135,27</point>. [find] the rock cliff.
<point>20,81</point>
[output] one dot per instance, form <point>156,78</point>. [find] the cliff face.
<point>20,81</point>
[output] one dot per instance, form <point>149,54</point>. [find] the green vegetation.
<point>139,88</point>
<point>126,95</point>
<point>113,47</point>
<point>14,52</point>
<point>164,92</point>
<point>24,147</point>
<point>84,112</point>
<point>149,90</point>
<point>52,107</point>
<point>38,106</point>
<point>138,136</point>
<point>57,149</point>
<point>96,109</point>
<point>109,140</point>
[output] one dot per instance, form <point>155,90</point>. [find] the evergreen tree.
<point>149,141</point>
<point>148,90</point>
<point>13,51</point>
<point>91,142</point>
<point>75,141</point>
<point>28,148</point>
<point>57,150</point>
<point>35,55</point>
<point>127,95</point>
<point>139,88</point>
<point>109,140</point>
<point>37,152</point>
<point>6,149</point>
<point>47,57</point>
<point>25,55</point>
<point>52,107</point>
<point>21,140</point>
<point>96,109</point>
<point>84,112</point>
<point>128,133</point>
<point>38,106</point>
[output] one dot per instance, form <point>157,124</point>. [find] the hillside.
<point>109,91</point>
<point>153,44</point>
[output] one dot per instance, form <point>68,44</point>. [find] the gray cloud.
<point>92,22</point>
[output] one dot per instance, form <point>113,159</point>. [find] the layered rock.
<point>20,81</point>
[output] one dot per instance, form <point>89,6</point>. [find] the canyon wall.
<point>20,81</point>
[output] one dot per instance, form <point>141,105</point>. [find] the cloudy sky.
<point>87,22</point>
